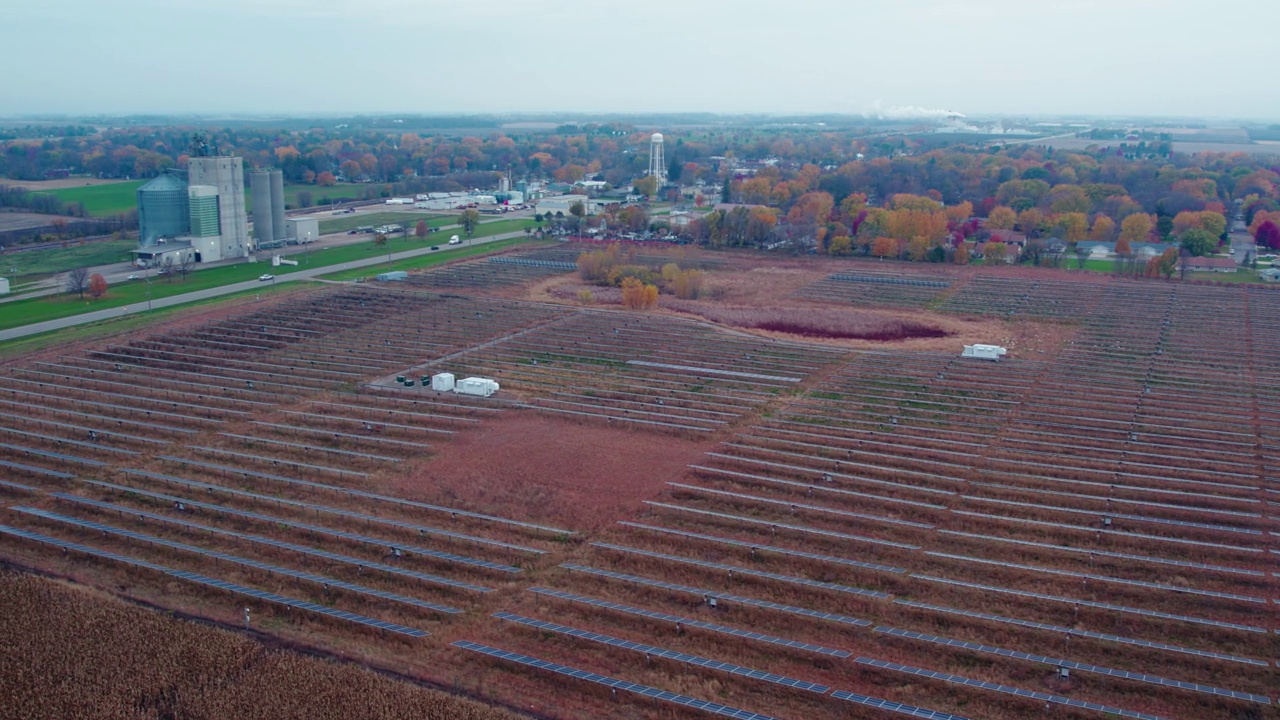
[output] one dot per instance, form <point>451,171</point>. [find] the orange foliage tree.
<point>637,295</point>
<point>883,247</point>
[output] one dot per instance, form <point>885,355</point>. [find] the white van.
<point>454,240</point>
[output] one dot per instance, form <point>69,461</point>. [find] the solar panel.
<point>1007,689</point>
<point>18,486</point>
<point>791,504</point>
<point>822,488</point>
<point>689,622</point>
<point>54,455</point>
<point>1090,603</point>
<point>36,470</point>
<point>720,596</point>
<point>744,571</point>
<point>267,518</point>
<point>142,537</point>
<point>766,548</point>
<point>650,692</point>
<point>896,707</point>
<point>664,653</point>
<point>714,371</point>
<point>1124,516</point>
<point>182,522</point>
<point>1101,578</point>
<point>856,478</point>
<point>230,587</point>
<point>1130,501</point>
<point>1116,533</point>
<point>371,496</point>
<point>797,528</point>
<point>1083,667</point>
<point>1084,633</point>
<point>420,529</point>
<point>250,439</point>
<point>1107,553</point>
<point>909,282</point>
<point>61,441</point>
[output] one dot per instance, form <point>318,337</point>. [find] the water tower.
<point>657,161</point>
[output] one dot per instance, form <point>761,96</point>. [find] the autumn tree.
<point>687,284</point>
<point>380,240</point>
<point>1030,222</point>
<point>97,286</point>
<point>994,252</point>
<point>962,254</point>
<point>1168,262</point>
<point>1104,228</point>
<point>1198,241</point>
<point>1213,222</point>
<point>77,281</point>
<point>1136,228</point>
<point>1002,218</point>
<point>1268,235</point>
<point>646,186</point>
<point>840,245</point>
<point>326,179</point>
<point>1072,226</point>
<point>186,264</point>
<point>1123,248</point>
<point>637,295</point>
<point>884,247</point>
<point>469,220</point>
<point>420,230</point>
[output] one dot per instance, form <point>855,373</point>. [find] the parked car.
<point>266,277</point>
<point>435,247</point>
<point>134,277</point>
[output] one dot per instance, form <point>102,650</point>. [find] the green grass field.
<point>34,265</point>
<point>120,197</point>
<point>103,200</point>
<point>135,292</point>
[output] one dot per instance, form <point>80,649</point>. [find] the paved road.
<point>115,312</point>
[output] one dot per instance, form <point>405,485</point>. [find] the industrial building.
<point>562,203</point>
<point>269,227</point>
<point>201,218</point>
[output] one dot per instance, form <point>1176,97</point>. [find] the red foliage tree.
<point>1268,235</point>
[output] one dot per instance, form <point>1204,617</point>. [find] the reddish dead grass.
<point>576,475</point>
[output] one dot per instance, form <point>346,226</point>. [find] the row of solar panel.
<point>321,579</point>
<point>1091,603</point>
<point>680,621</point>
<point>719,596</point>
<point>240,590</point>
<point>769,548</point>
<point>375,496</point>
<point>1100,578</point>
<point>420,529</point>
<point>272,542</point>
<point>1108,553</point>
<point>268,518</point>
<point>1131,501</point>
<point>1071,664</point>
<point>797,528</point>
<point>811,471</point>
<point>877,280</point>
<point>650,650</point>
<point>1007,689</point>
<point>1123,516</point>
<point>803,506</point>
<point>53,455</point>
<point>744,571</point>
<point>552,264</point>
<point>1109,531</point>
<point>810,487</point>
<point>1085,633</point>
<point>644,690</point>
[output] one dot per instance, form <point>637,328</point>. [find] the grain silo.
<point>263,225</point>
<point>162,209</point>
<point>277,205</point>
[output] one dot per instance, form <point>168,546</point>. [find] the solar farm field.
<point>658,516</point>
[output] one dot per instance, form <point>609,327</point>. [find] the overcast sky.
<point>1107,57</point>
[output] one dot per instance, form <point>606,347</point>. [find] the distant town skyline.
<point>911,57</point>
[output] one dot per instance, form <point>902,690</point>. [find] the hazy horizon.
<point>916,58</point>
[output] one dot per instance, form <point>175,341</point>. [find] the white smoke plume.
<point>908,112</point>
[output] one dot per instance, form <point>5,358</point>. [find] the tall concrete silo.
<point>263,225</point>
<point>277,205</point>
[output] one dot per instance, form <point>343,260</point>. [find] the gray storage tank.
<point>162,209</point>
<point>263,225</point>
<point>277,205</point>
